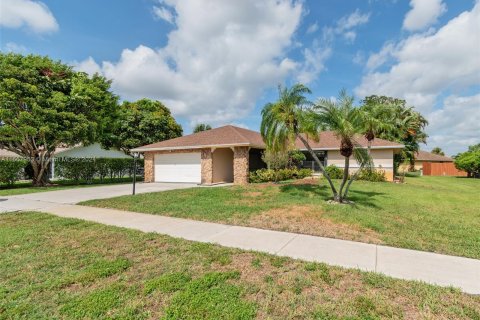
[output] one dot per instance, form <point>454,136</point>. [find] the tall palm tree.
<point>345,121</point>
<point>290,118</point>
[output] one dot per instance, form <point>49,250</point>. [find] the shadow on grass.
<point>359,197</point>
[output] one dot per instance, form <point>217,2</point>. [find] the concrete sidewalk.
<point>443,270</point>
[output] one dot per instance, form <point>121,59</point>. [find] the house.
<point>90,151</point>
<point>229,153</point>
<point>431,164</point>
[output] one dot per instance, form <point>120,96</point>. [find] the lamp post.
<point>135,156</point>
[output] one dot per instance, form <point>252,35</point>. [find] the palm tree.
<point>201,127</point>
<point>291,118</point>
<point>345,121</point>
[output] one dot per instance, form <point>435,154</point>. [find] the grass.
<point>57,268</point>
<point>27,187</point>
<point>439,214</point>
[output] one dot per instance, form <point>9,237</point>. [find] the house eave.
<point>229,145</point>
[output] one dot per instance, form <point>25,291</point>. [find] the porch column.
<point>240,165</point>
<point>207,166</point>
<point>149,169</point>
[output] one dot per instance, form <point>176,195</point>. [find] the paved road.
<point>35,201</point>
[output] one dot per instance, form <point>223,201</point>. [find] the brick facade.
<point>207,166</point>
<point>240,165</point>
<point>149,175</point>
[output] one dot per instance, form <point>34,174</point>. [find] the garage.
<point>178,167</point>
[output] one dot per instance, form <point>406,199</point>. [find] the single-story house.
<point>229,153</point>
<point>424,156</point>
<point>94,150</point>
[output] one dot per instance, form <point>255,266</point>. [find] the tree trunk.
<point>40,170</point>
<point>344,180</point>
<point>354,177</point>
<point>305,143</point>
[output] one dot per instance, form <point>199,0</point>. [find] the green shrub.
<point>334,172</point>
<point>266,175</point>
<point>10,170</point>
<point>372,175</point>
<point>89,168</point>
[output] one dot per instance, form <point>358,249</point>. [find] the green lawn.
<point>440,214</point>
<point>26,187</point>
<point>57,268</point>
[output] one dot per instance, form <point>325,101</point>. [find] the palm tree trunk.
<point>344,180</point>
<point>305,143</point>
<point>354,177</point>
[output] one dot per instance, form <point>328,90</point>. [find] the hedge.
<point>10,170</point>
<point>88,168</point>
<point>372,175</point>
<point>266,175</point>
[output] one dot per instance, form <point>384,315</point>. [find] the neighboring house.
<point>228,154</point>
<point>91,151</point>
<point>432,164</point>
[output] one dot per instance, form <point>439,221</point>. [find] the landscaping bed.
<point>438,214</point>
<point>65,268</point>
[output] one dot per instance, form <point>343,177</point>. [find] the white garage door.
<point>178,167</point>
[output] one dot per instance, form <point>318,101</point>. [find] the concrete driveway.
<point>44,200</point>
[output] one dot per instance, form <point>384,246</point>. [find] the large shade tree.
<point>45,104</point>
<point>202,127</point>
<point>469,161</point>
<point>139,123</point>
<point>288,119</point>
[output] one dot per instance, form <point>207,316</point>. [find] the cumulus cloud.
<point>315,58</point>
<point>218,60</point>
<point>88,65</point>
<point>163,13</point>
<point>33,15</point>
<point>424,67</point>
<point>346,25</point>
<point>456,125</point>
<point>15,47</point>
<point>423,14</point>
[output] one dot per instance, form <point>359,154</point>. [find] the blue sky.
<point>220,61</point>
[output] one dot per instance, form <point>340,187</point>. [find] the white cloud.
<point>88,65</point>
<point>14,47</point>
<point>424,67</point>
<point>456,125</point>
<point>423,14</point>
<point>312,28</point>
<point>163,13</point>
<point>314,62</point>
<point>346,25</point>
<point>219,59</point>
<point>34,15</point>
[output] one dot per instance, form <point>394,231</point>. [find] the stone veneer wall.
<point>240,165</point>
<point>207,166</point>
<point>149,175</point>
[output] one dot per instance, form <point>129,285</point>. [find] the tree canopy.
<point>202,127</point>
<point>45,104</point>
<point>438,150</point>
<point>139,123</point>
<point>469,161</point>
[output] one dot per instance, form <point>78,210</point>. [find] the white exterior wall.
<point>91,151</point>
<point>382,159</point>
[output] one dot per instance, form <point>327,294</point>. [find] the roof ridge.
<point>239,133</point>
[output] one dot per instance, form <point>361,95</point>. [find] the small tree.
<point>201,127</point>
<point>275,159</point>
<point>44,105</point>
<point>139,123</point>
<point>438,150</point>
<point>469,161</point>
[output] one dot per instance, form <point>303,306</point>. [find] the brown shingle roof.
<point>328,140</point>
<point>222,136</point>
<point>428,156</point>
<point>235,136</point>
